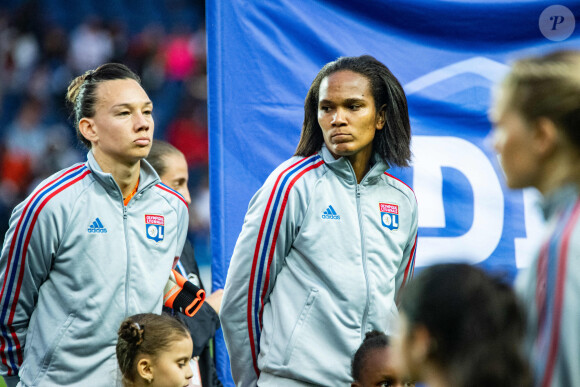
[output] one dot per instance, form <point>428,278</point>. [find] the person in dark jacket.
<point>171,166</point>
<point>460,326</point>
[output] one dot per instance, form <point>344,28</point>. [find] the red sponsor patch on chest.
<point>155,219</point>
<point>390,208</point>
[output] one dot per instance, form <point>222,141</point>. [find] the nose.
<point>186,195</point>
<point>338,119</point>
<point>142,122</point>
<point>489,141</point>
<point>188,372</point>
<point>497,140</point>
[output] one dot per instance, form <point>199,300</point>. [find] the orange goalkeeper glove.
<point>182,295</point>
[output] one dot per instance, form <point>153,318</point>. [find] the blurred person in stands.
<point>25,142</point>
<point>329,240</point>
<point>188,131</point>
<point>373,365</point>
<point>171,166</point>
<point>180,55</point>
<point>536,116</point>
<point>93,244</point>
<point>460,327</point>
<point>90,44</point>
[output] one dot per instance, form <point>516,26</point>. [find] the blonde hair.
<point>544,86</point>
<point>158,155</point>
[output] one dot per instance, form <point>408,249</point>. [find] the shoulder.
<point>63,185</point>
<point>298,168</point>
<point>55,196</point>
<point>570,229</point>
<point>401,186</point>
<point>171,196</point>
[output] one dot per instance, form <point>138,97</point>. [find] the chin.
<point>145,152</point>
<point>142,152</point>
<point>342,151</point>
<point>515,184</point>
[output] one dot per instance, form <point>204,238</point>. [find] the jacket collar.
<point>147,175</point>
<point>343,168</point>
<point>558,200</point>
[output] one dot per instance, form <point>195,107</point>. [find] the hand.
<point>215,300</point>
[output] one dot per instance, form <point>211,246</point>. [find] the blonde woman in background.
<point>537,135</point>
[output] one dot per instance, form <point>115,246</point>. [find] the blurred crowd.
<point>44,44</point>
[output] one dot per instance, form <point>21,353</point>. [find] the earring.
<point>149,380</point>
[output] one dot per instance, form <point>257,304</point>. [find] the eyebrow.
<point>128,105</point>
<point>346,101</point>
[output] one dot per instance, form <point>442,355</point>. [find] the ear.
<point>145,368</point>
<point>355,384</point>
<point>546,135</point>
<point>87,129</point>
<point>381,118</point>
<point>422,344</point>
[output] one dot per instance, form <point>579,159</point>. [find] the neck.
<point>125,175</point>
<point>361,163</point>
<point>558,171</point>
<point>140,382</point>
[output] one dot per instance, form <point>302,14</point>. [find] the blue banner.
<point>448,55</point>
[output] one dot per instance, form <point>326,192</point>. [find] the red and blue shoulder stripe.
<point>410,268</point>
<point>551,281</point>
<point>171,191</point>
<point>16,261</point>
<point>266,245</point>
<point>402,182</point>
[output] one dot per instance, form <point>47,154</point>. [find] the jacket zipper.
<point>364,262</point>
<point>125,228</point>
<point>128,271</point>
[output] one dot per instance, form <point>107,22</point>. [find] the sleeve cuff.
<point>11,381</point>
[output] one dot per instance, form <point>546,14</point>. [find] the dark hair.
<point>373,340</point>
<point>145,334</point>
<point>545,86</point>
<point>392,143</point>
<point>159,150</point>
<point>82,96</point>
<point>475,321</point>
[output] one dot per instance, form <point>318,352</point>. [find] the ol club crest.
<point>389,215</point>
<point>155,227</point>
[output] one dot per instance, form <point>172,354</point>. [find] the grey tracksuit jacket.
<point>318,263</point>
<point>550,290</point>
<point>75,263</point>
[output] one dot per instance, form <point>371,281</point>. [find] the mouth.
<point>340,137</point>
<point>142,141</point>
